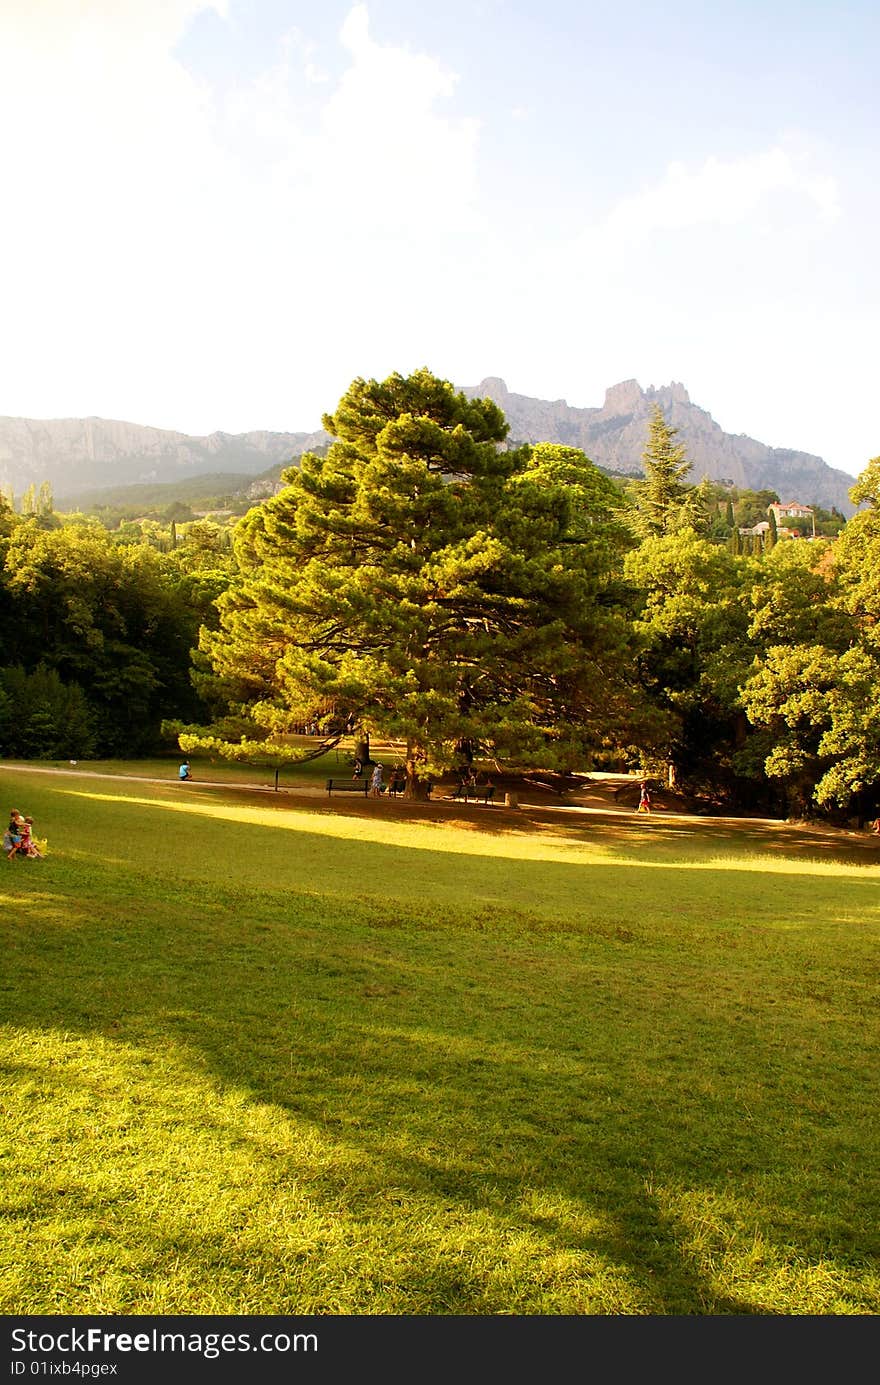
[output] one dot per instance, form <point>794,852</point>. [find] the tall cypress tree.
<point>660,496</point>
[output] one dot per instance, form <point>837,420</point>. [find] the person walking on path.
<point>644,799</point>
<point>376,782</point>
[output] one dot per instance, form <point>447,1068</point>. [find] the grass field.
<point>269,1056</point>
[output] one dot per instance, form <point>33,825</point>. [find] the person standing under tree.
<point>644,799</point>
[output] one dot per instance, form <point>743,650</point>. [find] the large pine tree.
<point>426,584</point>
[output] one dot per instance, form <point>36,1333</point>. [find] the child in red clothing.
<point>28,845</point>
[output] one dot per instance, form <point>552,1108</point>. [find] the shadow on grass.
<point>593,1093</point>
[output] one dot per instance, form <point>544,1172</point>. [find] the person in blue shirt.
<point>183,772</point>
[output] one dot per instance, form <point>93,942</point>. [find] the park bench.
<point>348,786</point>
<point>475,793</point>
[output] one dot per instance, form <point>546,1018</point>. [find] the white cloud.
<point>170,260</point>
<point>722,192</point>
<point>384,140</point>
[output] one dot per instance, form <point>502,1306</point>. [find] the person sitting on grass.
<point>183,772</point>
<point>18,838</point>
<point>12,835</point>
<point>27,845</point>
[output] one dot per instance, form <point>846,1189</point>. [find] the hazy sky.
<point>216,215</point>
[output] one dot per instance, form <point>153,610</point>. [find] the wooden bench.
<point>475,793</point>
<point>348,786</point>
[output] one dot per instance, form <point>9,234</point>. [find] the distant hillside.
<point>614,438</point>
<point>150,495</point>
<point>85,456</point>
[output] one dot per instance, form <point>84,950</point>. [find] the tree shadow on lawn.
<point>741,834</point>
<point>472,879</point>
<point>560,1092</point>
<point>626,828</point>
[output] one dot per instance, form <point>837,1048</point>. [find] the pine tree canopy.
<point>429,585</point>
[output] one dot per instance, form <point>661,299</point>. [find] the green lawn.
<point>262,1056</point>
<point>216,770</point>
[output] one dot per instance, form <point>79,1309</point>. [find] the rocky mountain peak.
<point>615,436</point>
<point>667,395</point>
<point>493,387</point>
<point>624,398</point>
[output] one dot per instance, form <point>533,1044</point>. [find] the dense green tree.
<point>699,509</point>
<point>866,490</point>
<point>43,718</point>
<point>811,694</point>
<point>177,512</point>
<point>802,690</point>
<point>751,506</point>
<point>793,598</point>
<point>424,582</point>
<point>8,519</point>
<point>790,695</point>
<point>696,650</point>
<point>115,620</point>
<point>851,740</point>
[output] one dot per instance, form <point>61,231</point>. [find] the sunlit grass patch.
<point>276,1059</point>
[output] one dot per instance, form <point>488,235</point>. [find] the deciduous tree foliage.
<point>117,622</point>
<point>432,586</point>
<point>810,691</point>
<point>693,624</point>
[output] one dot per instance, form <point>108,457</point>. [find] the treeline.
<point>421,580</point>
<point>97,629</point>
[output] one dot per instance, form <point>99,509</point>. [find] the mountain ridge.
<point>80,455</point>
<point>614,437</point>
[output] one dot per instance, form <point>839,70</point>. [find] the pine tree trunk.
<point>416,786</point>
